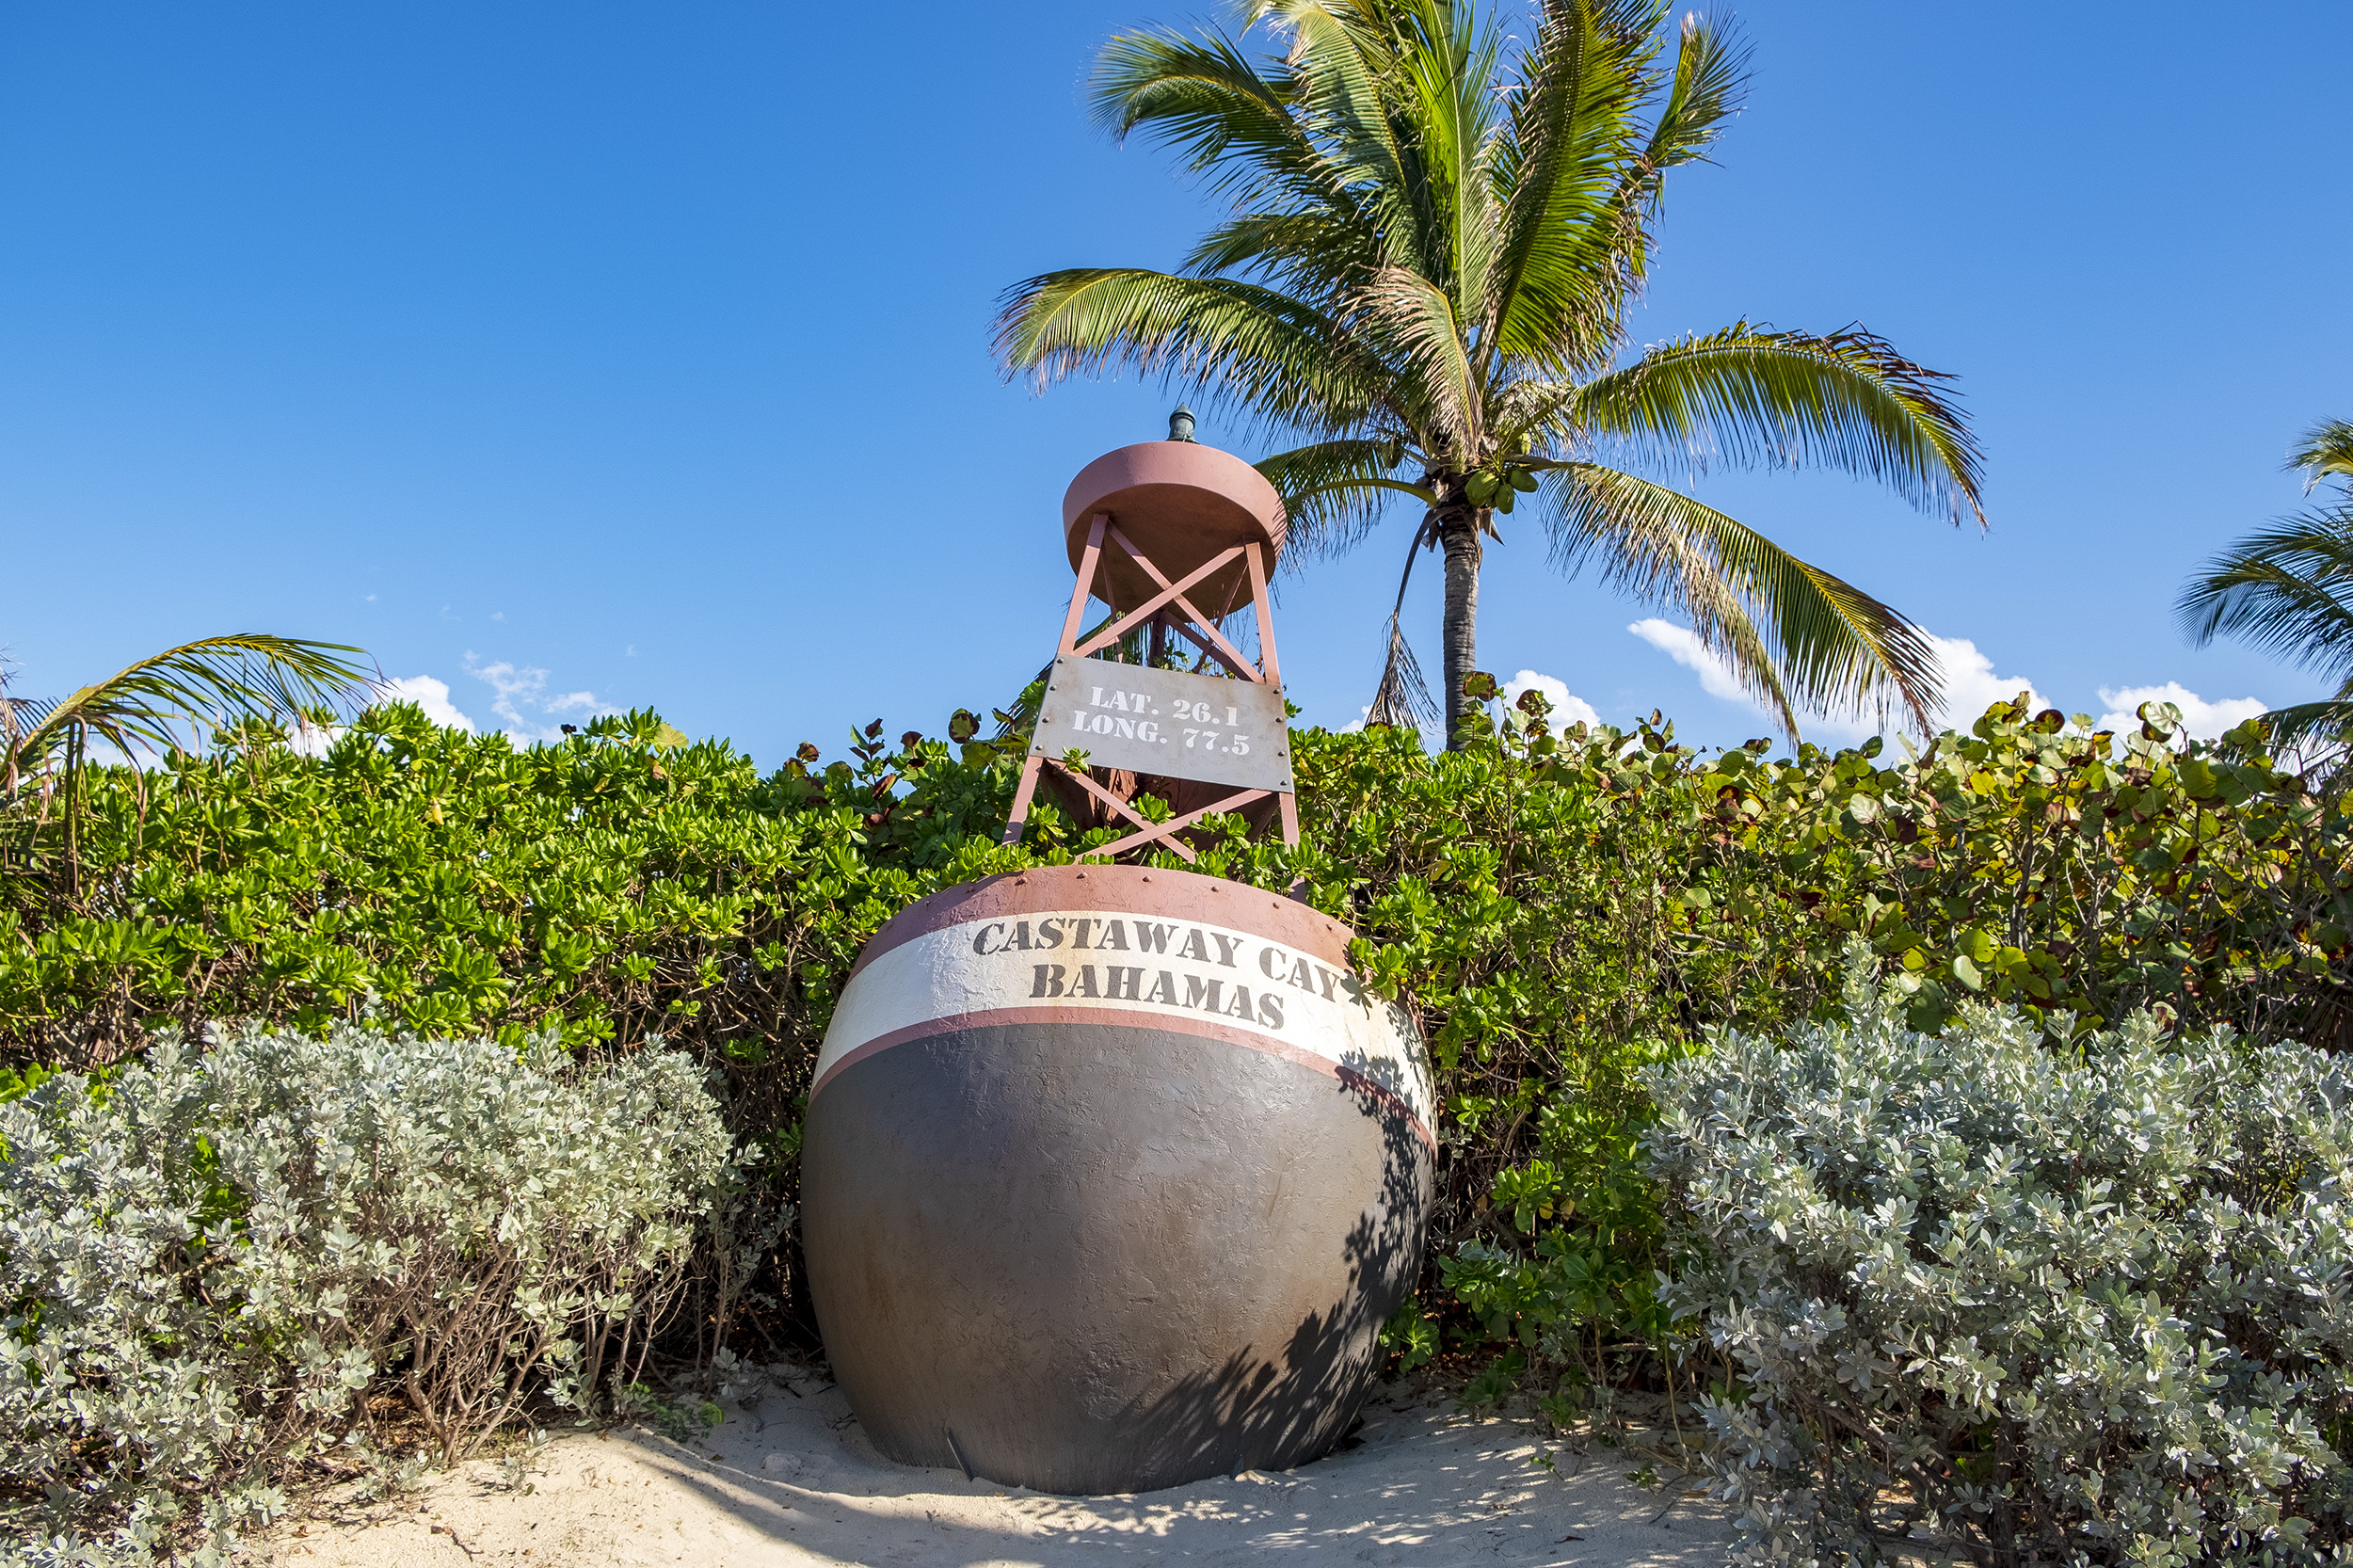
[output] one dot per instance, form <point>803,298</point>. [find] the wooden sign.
<point>1169,722</point>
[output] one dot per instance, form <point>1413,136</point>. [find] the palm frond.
<point>2325,451</point>
<point>1203,99</point>
<point>1530,412</point>
<point>1711,77</point>
<point>1412,323</point>
<point>1260,348</point>
<point>1567,242</point>
<point>1445,72</point>
<point>1342,59</point>
<point>1402,696</point>
<point>2299,724</point>
<point>1711,74</point>
<point>2285,589</point>
<point>1793,634</point>
<point>1310,250</point>
<point>1749,394</point>
<point>19,714</point>
<point>1335,491</point>
<point>215,680</point>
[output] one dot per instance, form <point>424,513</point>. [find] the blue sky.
<point>591,355</point>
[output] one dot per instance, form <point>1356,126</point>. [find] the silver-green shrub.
<point>1998,1298</point>
<point>209,1262</point>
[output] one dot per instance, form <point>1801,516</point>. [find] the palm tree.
<point>156,704</point>
<point>1436,239</point>
<point>2285,588</point>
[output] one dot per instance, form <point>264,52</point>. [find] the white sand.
<point>792,1481</point>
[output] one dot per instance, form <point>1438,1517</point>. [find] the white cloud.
<point>426,692</point>
<point>1969,680</point>
<point>430,695</point>
<point>518,697</point>
<point>1681,645</point>
<point>2205,720</point>
<point>1566,709</point>
<point>310,740</point>
<point>1971,686</point>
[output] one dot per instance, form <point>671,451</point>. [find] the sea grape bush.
<point>608,886</point>
<point>1569,909</point>
<point>2015,1292</point>
<point>211,1260</point>
<point>612,886</point>
<point>1565,908</point>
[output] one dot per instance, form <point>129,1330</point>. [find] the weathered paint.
<point>1114,1239</point>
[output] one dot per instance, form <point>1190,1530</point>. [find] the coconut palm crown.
<point>2288,588</point>
<point>1435,238</point>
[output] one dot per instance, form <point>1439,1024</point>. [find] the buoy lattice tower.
<point>1171,538</point>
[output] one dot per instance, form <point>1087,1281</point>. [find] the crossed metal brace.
<point>1170,607</point>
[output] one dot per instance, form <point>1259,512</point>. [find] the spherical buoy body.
<point>1109,1179</point>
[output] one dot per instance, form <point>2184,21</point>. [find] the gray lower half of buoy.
<point>1099,1257</point>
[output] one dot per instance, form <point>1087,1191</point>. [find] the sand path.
<point>792,1481</point>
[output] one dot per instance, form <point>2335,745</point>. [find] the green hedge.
<point>1564,909</point>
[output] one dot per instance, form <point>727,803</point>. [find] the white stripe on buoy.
<point>1094,967</point>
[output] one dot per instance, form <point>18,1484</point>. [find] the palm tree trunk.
<point>1458,534</point>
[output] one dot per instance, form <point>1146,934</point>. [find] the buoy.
<point>1110,1177</point>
